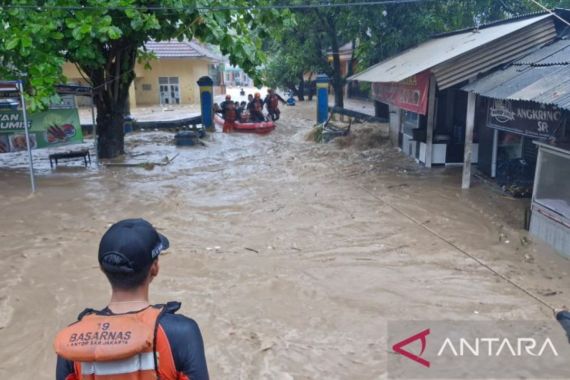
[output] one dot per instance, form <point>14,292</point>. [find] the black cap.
<point>130,245</point>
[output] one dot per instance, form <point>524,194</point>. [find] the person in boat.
<point>131,338</point>
<point>255,108</point>
<point>240,111</point>
<point>272,103</point>
<point>224,105</point>
<point>228,108</point>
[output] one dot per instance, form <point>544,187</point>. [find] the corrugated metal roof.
<point>542,76</point>
<point>457,57</point>
<point>181,49</point>
<point>493,54</point>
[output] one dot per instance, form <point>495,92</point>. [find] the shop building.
<point>234,76</point>
<point>525,102</point>
<point>422,86</point>
<point>524,135</point>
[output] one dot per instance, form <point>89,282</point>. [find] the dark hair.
<point>124,280</point>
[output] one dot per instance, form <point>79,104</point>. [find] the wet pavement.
<point>291,256</point>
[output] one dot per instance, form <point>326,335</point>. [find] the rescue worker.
<point>228,109</point>
<point>272,103</point>
<point>130,338</point>
<point>255,108</point>
<point>240,111</point>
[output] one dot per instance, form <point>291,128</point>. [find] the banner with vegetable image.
<point>51,128</point>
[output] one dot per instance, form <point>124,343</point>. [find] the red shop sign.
<point>410,94</point>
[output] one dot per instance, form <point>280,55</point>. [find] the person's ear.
<point>154,269</point>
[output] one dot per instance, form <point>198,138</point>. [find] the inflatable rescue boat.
<point>262,128</point>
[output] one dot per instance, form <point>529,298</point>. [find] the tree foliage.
<point>297,50</point>
<point>302,48</point>
<point>104,39</point>
<point>380,31</point>
<point>390,29</point>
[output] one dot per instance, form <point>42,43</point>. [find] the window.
<point>169,90</point>
<point>168,80</point>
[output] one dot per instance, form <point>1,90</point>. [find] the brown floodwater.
<point>291,256</point>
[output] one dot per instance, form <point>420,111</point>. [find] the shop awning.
<point>454,58</point>
<point>542,76</point>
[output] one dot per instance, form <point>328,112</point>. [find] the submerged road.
<point>291,256</point>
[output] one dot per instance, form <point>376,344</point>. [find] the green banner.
<point>47,129</point>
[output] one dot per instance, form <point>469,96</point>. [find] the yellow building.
<point>173,74</point>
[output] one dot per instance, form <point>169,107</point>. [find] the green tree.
<point>105,38</point>
<point>378,31</point>
<point>302,48</point>
<point>387,30</point>
<point>298,51</point>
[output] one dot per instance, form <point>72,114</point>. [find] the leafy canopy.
<point>36,38</point>
<point>380,31</point>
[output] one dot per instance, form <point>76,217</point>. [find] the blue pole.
<point>207,101</point>
<point>322,98</point>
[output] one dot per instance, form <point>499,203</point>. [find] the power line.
<point>550,11</point>
<point>208,8</point>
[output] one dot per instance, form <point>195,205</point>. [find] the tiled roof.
<point>181,49</point>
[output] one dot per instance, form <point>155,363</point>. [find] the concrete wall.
<point>550,231</point>
<point>188,72</point>
<point>395,115</point>
<point>73,77</point>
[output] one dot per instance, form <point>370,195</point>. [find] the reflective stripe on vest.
<point>140,362</point>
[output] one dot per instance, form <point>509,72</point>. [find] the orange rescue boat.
<point>262,127</point>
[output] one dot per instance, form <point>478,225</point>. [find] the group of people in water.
<point>252,110</point>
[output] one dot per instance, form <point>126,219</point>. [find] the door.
<point>169,90</point>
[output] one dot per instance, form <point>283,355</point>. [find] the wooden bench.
<point>84,153</point>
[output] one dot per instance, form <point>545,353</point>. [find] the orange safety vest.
<point>130,346</point>
<point>230,113</point>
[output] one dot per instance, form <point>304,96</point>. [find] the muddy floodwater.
<point>291,256</point>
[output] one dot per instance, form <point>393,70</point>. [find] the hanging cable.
<point>212,8</point>
<point>549,11</point>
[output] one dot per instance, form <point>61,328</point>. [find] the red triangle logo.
<point>399,347</point>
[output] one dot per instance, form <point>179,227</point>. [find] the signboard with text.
<point>410,94</point>
<point>47,129</point>
<point>524,118</point>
